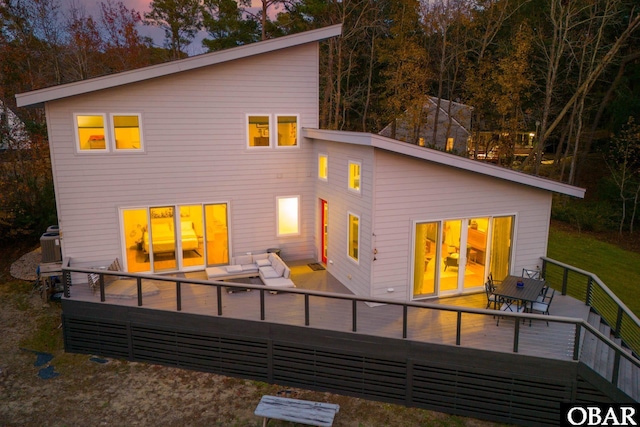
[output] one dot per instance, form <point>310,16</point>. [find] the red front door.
<point>323,230</point>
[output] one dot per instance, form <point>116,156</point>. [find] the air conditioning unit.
<point>50,244</point>
<point>53,229</point>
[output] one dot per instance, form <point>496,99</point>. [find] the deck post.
<point>178,296</point>
<point>616,367</point>
<point>354,315</point>
<point>516,334</point>
<point>576,342</point>
<point>306,309</point>
<point>219,295</point>
<point>616,332</point>
<point>66,279</point>
<point>565,279</point>
<point>404,320</point>
<point>261,304</point>
<point>139,284</point>
<point>102,296</point>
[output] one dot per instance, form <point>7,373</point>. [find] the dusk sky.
<point>142,6</point>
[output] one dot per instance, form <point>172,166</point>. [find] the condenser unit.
<point>50,244</point>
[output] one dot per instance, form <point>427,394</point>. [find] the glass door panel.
<point>425,259</point>
<point>191,232</point>
<point>136,240</point>
<point>474,272</point>
<point>449,267</point>
<point>217,234</point>
<point>163,238</point>
<point>500,257</point>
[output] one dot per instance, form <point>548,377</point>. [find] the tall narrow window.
<point>501,237</point>
<point>354,176</point>
<point>354,236</point>
<point>288,215</point>
<point>90,131</point>
<point>126,131</point>
<point>258,131</point>
<point>449,144</point>
<point>287,131</point>
<point>323,167</point>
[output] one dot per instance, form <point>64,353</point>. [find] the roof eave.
<point>381,142</point>
<point>40,96</point>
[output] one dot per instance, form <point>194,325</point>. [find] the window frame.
<point>278,215</point>
<point>350,178</point>
<point>324,178</point>
<point>269,129</point>
<point>77,128</point>
<point>275,124</point>
<point>350,238</point>
<point>112,131</point>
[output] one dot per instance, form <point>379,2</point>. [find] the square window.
<point>126,130</point>
<point>323,167</point>
<point>258,131</point>
<point>354,176</point>
<point>288,215</point>
<point>287,131</point>
<point>90,132</point>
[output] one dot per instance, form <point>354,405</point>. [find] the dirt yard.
<point>82,390</point>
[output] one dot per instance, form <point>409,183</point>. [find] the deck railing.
<point>587,287</point>
<point>612,373</point>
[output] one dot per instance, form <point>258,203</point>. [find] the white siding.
<point>194,126</point>
<point>356,277</point>
<point>409,190</point>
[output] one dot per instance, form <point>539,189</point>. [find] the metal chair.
<point>542,307</point>
<point>532,274</point>
<point>491,297</point>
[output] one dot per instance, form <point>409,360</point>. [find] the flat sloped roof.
<point>440,157</point>
<point>40,96</point>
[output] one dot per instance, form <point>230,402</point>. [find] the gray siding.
<point>356,277</point>
<point>409,190</point>
<point>194,132</point>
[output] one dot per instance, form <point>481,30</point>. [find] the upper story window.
<point>91,132</point>
<point>126,130</point>
<point>287,130</point>
<point>323,167</point>
<point>122,132</point>
<point>258,131</point>
<point>354,176</point>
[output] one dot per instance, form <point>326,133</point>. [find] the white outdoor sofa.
<point>271,269</point>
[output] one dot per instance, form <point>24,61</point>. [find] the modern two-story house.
<point>180,166</point>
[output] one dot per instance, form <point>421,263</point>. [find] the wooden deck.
<point>424,324</point>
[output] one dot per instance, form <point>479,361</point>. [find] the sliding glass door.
<point>175,238</point>
<point>453,256</point>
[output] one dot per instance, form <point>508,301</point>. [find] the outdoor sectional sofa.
<point>271,269</point>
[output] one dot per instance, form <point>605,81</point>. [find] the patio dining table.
<point>510,293</point>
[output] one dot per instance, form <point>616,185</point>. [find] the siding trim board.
<point>495,386</point>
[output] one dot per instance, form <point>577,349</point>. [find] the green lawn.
<point>617,268</point>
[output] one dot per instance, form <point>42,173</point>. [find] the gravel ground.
<point>41,385</point>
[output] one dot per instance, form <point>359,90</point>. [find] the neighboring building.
<point>179,166</point>
<point>452,131</point>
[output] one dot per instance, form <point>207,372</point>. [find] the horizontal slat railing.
<point>587,287</point>
<point>579,325</point>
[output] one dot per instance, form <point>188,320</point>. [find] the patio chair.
<point>532,274</point>
<point>542,307</point>
<point>491,297</point>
